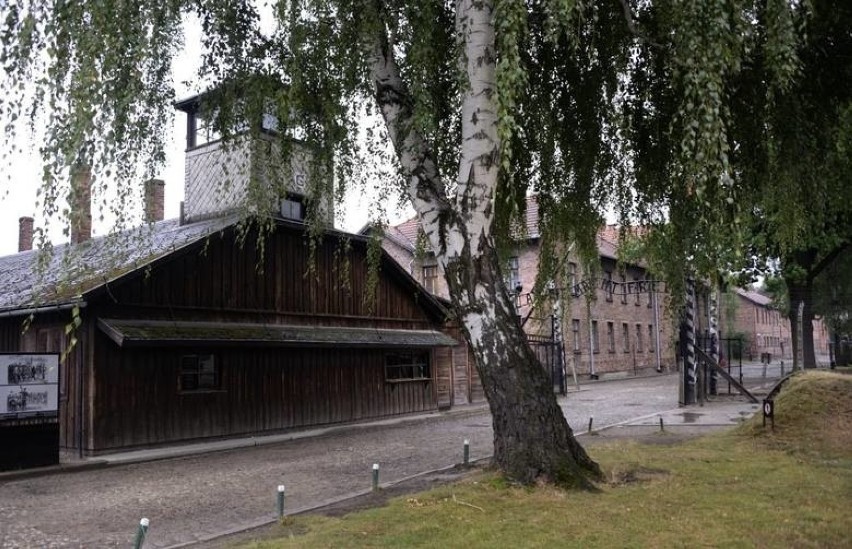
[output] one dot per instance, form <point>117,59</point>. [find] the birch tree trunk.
<point>532,439</point>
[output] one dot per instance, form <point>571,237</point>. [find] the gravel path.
<point>194,497</point>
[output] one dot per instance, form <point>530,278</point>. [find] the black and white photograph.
<point>24,399</point>
<point>29,369</point>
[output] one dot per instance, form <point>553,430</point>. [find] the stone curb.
<point>259,523</point>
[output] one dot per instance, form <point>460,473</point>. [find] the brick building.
<point>749,314</point>
<point>601,332</point>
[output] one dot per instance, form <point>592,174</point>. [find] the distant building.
<point>615,331</point>
<point>765,330</point>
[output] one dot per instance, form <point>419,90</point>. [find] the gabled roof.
<point>75,272</point>
<point>755,297</point>
<point>72,270</point>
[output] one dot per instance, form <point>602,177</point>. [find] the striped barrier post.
<point>689,369</point>
<point>714,335</point>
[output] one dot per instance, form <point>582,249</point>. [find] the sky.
<point>20,180</point>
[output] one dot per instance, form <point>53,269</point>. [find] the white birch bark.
<point>531,437</point>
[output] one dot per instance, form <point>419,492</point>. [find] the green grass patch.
<point>744,488</point>
<point>813,417</point>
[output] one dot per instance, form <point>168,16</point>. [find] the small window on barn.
<point>513,275</point>
<point>610,336</point>
<point>596,348</point>
<point>651,338</point>
<point>572,279</point>
<point>430,276</point>
<point>198,373</point>
<point>636,290</point>
<point>407,366</point>
<point>608,289</point>
<point>575,329</point>
<point>293,207</point>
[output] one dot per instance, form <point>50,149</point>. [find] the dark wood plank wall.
<point>442,358</point>
<point>10,334</point>
<point>225,277</point>
<point>264,390</point>
<point>47,334</point>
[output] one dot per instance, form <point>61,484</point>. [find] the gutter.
<point>45,309</point>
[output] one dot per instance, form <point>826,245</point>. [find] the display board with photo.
<point>29,383</point>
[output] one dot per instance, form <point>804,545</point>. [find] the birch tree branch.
<point>426,189</point>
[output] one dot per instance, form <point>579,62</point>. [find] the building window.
<point>407,366</point>
<point>636,290</point>
<point>575,331</point>
<point>608,285</point>
<point>199,373</point>
<point>625,332</point>
<point>572,279</point>
<point>513,275</point>
<point>638,338</point>
<point>205,130</point>
<point>623,290</point>
<point>430,276</point>
<point>651,338</point>
<point>649,286</point>
<point>610,336</point>
<point>595,342</point>
<point>293,207</point>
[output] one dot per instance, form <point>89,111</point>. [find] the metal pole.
<point>690,373</point>
<point>280,501</point>
<point>592,373</point>
<point>141,532</point>
<point>657,328</point>
<point>799,362</point>
<point>712,322</point>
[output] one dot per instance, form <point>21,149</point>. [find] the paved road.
<point>197,496</point>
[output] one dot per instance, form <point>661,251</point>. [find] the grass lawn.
<point>744,488</point>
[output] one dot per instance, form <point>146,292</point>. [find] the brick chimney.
<point>25,234</point>
<point>80,200</point>
<point>155,209</point>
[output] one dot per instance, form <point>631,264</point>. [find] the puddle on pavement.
<point>690,417</point>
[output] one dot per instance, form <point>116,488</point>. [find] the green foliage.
<point>833,294</point>
<point>796,164</point>
<point>691,118</point>
<point>777,290</point>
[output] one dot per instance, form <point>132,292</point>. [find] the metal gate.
<point>549,354</point>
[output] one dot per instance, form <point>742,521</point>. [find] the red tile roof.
<point>755,297</point>
<point>407,230</point>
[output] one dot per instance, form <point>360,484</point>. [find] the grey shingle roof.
<point>71,270</point>
<point>142,332</point>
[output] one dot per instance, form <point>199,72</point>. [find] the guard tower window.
<point>293,207</point>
